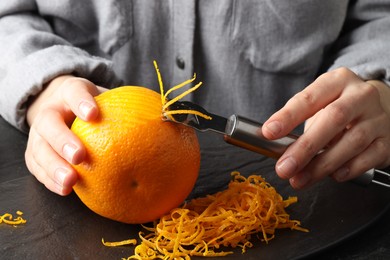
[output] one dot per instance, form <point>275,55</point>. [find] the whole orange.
<point>138,166</point>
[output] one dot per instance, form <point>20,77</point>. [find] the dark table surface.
<point>346,221</point>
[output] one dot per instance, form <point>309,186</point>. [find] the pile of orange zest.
<point>120,243</point>
<point>164,96</point>
<point>9,219</point>
<point>249,207</point>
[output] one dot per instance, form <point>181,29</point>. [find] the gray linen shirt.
<point>252,56</point>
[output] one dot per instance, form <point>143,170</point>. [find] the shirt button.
<point>180,62</point>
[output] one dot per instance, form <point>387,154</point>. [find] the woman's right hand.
<point>52,147</point>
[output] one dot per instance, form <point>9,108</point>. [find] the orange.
<point>138,166</point>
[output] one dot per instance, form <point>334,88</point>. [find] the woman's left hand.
<point>348,119</point>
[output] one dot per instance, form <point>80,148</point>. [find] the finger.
<point>308,102</point>
<point>78,94</point>
<point>301,180</point>
<point>312,121</point>
<point>342,167</point>
<point>375,156</point>
<point>326,163</point>
<point>353,142</point>
<point>40,175</point>
<point>59,136</point>
<point>49,168</point>
<point>54,166</point>
<point>50,184</point>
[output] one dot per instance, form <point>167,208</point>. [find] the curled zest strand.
<point>166,103</point>
<point>226,219</point>
<point>9,219</point>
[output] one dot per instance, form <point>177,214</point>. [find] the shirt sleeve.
<point>364,45</point>
<point>32,55</point>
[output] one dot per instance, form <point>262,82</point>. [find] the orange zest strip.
<point>160,82</point>
<point>183,84</point>
<point>194,112</point>
<point>164,96</point>
<point>120,243</point>
<point>9,219</point>
<point>226,219</point>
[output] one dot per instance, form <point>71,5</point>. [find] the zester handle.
<point>247,134</point>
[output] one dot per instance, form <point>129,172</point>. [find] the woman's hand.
<point>346,116</point>
<point>52,147</point>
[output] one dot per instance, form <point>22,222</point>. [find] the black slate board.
<point>63,228</point>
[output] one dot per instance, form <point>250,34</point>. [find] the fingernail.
<point>274,127</point>
<point>60,175</point>
<point>300,181</point>
<point>69,151</point>
<point>85,109</point>
<point>58,189</point>
<point>341,174</point>
<point>286,167</point>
